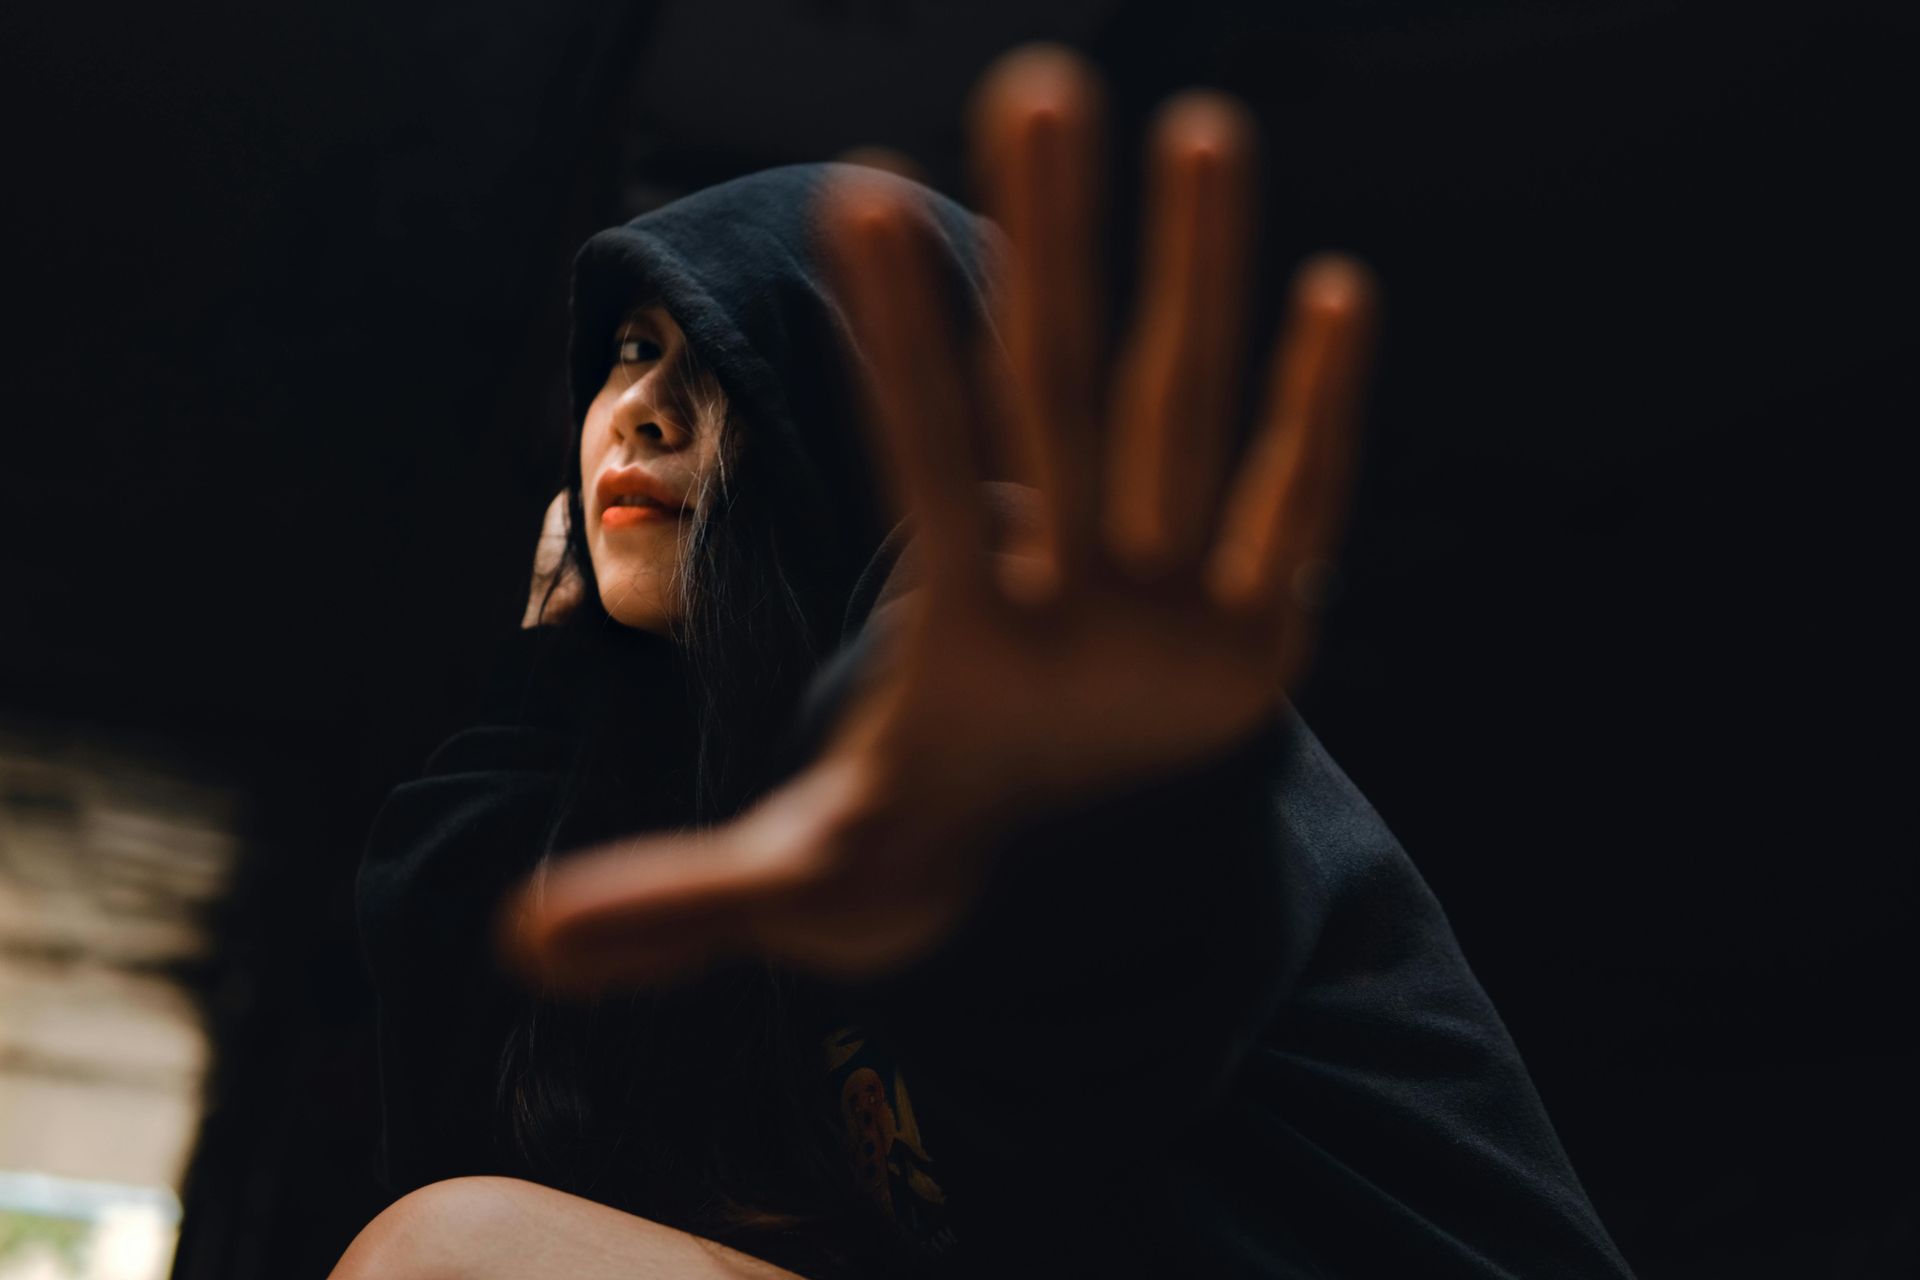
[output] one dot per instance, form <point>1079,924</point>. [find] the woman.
<point>999,917</point>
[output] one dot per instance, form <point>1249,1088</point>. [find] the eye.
<point>636,350</point>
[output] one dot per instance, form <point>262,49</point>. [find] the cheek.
<point>594,436</point>
<point>593,446</point>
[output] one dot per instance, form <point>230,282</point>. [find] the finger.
<point>555,521</point>
<point>919,408</point>
<point>642,911</point>
<point>1036,141</point>
<point>551,546</point>
<point>885,159</point>
<point>1283,517</point>
<point>1174,391</point>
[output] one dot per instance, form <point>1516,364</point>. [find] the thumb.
<point>644,911</point>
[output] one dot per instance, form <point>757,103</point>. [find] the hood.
<point>741,268</point>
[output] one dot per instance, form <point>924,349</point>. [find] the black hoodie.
<point>1217,1026</point>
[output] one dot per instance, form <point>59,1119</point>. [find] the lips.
<point>629,496</point>
<point>627,517</point>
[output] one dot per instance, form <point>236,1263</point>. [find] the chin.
<point>638,605</point>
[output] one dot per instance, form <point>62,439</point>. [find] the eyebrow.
<point>637,314</point>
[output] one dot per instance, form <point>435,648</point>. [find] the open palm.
<point>1154,614</point>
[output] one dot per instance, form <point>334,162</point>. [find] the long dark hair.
<point>755,611</point>
<point>703,1106</point>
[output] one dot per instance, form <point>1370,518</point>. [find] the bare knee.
<point>482,1228</point>
<point>439,1232</point>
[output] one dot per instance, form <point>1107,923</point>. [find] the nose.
<point>648,418</point>
<point>661,434</point>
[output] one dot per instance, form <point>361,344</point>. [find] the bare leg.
<point>505,1229</point>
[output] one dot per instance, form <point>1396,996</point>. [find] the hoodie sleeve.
<point>1221,1019</point>
<point>442,852</point>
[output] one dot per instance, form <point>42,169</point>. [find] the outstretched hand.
<point>1157,615</point>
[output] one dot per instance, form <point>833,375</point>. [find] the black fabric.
<point>1220,1026</point>
<point>491,801</point>
<point>1214,1026</point>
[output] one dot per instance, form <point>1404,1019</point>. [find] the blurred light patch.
<point>109,860</point>
<point>65,1229</point>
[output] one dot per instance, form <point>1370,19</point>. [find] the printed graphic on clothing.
<point>883,1135</point>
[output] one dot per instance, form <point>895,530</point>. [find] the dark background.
<point>1616,651</point>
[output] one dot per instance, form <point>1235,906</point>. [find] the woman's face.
<point>648,451</point>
